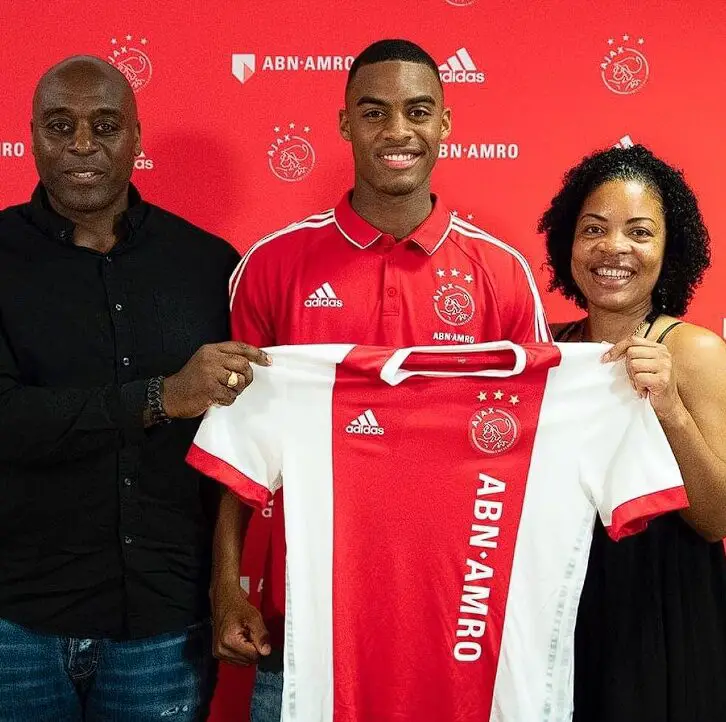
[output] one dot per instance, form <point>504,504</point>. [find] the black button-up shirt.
<point>105,531</point>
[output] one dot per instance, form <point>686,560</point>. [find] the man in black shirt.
<point>113,320</point>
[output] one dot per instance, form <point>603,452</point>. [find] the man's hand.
<point>202,382</point>
<point>650,369</point>
<point>240,635</point>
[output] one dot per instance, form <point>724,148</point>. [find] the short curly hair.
<point>687,249</point>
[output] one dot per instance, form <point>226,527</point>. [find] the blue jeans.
<point>44,678</point>
<point>267,697</point>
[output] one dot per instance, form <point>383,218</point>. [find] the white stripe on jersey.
<point>317,221</point>
<point>541,330</point>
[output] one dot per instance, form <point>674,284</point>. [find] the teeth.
<point>84,174</point>
<point>399,156</point>
<point>613,272</point>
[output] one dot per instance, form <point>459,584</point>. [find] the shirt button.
<point>109,259</point>
<point>63,235</point>
<point>127,481</point>
<point>391,292</point>
<point>119,307</point>
<point>128,540</point>
<point>126,361</point>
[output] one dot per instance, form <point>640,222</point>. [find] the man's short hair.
<point>395,49</point>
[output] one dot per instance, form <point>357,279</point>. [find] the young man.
<point>389,265</point>
<point>113,317</point>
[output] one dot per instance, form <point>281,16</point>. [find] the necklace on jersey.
<point>648,322</point>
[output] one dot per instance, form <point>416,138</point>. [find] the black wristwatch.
<point>153,401</point>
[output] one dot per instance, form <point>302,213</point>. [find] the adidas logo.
<point>460,68</point>
<point>323,297</point>
<point>366,424</point>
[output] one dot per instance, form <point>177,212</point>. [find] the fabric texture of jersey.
<point>334,278</point>
<point>437,533</point>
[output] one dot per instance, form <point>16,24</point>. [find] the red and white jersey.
<point>439,505</point>
<point>335,278</point>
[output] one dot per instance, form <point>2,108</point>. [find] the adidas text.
<point>461,76</point>
<point>365,430</point>
<point>323,303</point>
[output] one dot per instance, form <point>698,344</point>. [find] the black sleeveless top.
<point>650,642</point>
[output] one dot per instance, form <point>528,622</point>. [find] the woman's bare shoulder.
<point>695,347</point>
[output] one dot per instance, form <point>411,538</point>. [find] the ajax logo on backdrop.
<point>130,57</point>
<point>624,69</point>
<point>290,155</point>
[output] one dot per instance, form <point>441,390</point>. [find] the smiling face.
<point>395,118</point>
<point>85,136</point>
<point>619,243</point>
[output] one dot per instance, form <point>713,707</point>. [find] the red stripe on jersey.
<point>241,484</point>
<point>633,516</point>
<point>425,526</point>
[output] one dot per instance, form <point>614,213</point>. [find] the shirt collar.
<point>61,228</point>
<point>429,235</point>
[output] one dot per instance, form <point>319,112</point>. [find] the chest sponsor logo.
<point>129,55</point>
<point>323,297</point>
<point>494,429</point>
<point>453,302</point>
<point>625,69</point>
<point>365,425</point>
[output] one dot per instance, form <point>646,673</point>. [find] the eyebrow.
<point>370,100</point>
<point>64,109</point>
<point>630,220</point>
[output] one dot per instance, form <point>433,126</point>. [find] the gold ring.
<point>233,379</point>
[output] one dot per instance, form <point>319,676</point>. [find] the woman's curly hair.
<point>687,249</point>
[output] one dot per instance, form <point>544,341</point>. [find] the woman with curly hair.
<point>626,242</point>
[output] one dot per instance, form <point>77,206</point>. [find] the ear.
<point>32,137</point>
<point>137,139</point>
<point>445,123</point>
<point>344,124</point>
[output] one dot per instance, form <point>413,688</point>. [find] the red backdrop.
<point>239,102</point>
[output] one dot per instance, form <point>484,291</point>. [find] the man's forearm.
<point>232,521</point>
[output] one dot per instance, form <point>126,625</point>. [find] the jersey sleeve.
<point>626,463</point>
<point>522,313</point>
<point>251,306</point>
<point>241,445</point>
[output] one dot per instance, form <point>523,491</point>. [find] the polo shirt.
<point>335,278</point>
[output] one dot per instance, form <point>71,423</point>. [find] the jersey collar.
<point>429,235</point>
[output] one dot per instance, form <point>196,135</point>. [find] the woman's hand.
<point>651,372</point>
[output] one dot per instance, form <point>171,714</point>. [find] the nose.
<point>83,142</point>
<point>613,243</point>
<point>397,128</point>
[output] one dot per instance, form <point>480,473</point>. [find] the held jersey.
<point>439,506</point>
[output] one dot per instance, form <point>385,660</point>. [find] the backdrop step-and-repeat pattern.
<point>239,103</point>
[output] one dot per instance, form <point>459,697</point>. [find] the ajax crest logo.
<point>291,156</point>
<point>494,430</point>
<point>624,69</point>
<point>453,302</point>
<point>129,56</point>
